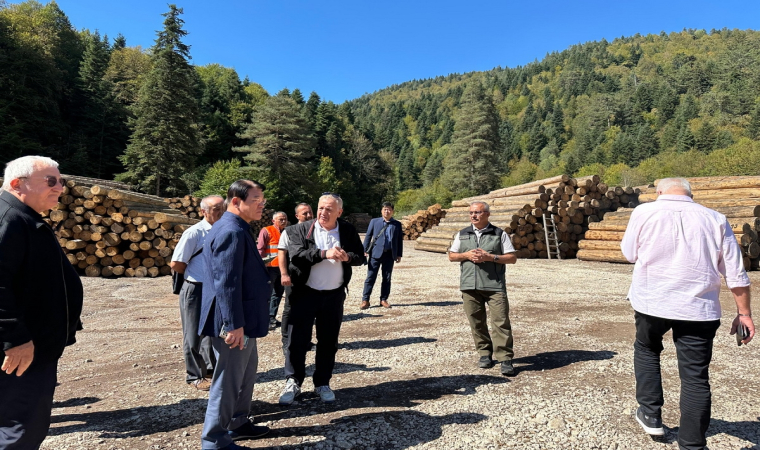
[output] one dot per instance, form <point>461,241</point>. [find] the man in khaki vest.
<point>482,251</point>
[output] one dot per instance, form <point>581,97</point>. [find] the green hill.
<point>634,109</point>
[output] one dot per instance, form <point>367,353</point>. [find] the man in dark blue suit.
<point>234,312</point>
<point>383,246</point>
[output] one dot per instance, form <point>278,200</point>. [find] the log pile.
<point>112,232</point>
<point>265,221</point>
<point>415,224</point>
<point>519,210</point>
<point>188,205</point>
<point>738,198</point>
<point>360,221</point>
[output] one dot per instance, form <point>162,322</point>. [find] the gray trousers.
<point>199,356</point>
<point>475,309</point>
<point>229,400</point>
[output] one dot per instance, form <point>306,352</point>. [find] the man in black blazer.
<point>383,246</point>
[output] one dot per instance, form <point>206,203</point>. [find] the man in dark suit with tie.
<point>234,312</point>
<point>383,246</point>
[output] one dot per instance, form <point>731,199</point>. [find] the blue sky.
<point>343,49</point>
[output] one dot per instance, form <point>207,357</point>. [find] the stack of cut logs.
<point>519,210</point>
<point>415,224</point>
<point>188,205</point>
<point>112,232</point>
<point>265,221</point>
<point>738,198</point>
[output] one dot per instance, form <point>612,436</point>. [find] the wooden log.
<point>604,235</point>
<point>713,183</point>
<point>602,255</point>
<point>92,270</point>
<point>586,244</point>
<point>608,226</point>
<point>431,248</point>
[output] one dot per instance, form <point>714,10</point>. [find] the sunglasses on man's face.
<point>51,180</point>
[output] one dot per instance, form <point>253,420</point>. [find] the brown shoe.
<point>365,305</point>
<point>203,384</point>
<point>385,304</point>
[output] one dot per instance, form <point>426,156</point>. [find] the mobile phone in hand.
<point>742,332</point>
<point>223,335</point>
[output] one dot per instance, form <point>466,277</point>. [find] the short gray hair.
<point>333,197</point>
<point>204,202</point>
<point>279,213</point>
<point>25,167</point>
<point>668,183</point>
<point>486,206</point>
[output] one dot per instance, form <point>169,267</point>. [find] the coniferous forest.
<point>632,110</point>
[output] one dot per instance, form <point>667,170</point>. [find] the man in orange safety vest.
<point>269,237</point>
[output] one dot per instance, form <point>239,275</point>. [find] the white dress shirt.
<point>327,274</point>
<point>681,249</point>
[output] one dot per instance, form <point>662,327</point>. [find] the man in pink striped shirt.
<point>681,249</point>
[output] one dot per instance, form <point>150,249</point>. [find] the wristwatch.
<point>495,258</point>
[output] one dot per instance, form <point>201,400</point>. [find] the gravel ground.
<point>406,378</point>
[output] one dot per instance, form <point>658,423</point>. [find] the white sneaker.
<point>325,393</point>
<point>291,391</point>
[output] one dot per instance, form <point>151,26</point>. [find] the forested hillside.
<point>630,110</point>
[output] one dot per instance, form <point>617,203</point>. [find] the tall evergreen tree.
<point>475,145</point>
<point>280,150</point>
<point>165,142</point>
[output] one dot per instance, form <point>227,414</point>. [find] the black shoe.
<point>651,424</point>
<point>248,431</point>
<point>507,369</point>
<point>272,324</point>
<point>312,347</point>
<point>485,362</point>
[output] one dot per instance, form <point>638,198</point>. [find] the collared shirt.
<point>327,274</point>
<point>387,232</point>
<point>190,242</point>
<point>506,243</point>
<point>681,249</point>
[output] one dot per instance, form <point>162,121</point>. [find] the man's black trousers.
<point>26,403</point>
<point>694,345</point>
<point>310,308</point>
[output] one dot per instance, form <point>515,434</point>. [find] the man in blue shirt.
<point>383,246</point>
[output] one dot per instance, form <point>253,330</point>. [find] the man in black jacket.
<point>322,252</point>
<point>40,301</point>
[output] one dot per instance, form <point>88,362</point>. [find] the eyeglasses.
<point>50,180</point>
<point>332,194</point>
<point>477,213</point>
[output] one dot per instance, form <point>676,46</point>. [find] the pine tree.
<point>281,150</point>
<point>297,96</point>
<point>165,142</point>
<point>475,145</point>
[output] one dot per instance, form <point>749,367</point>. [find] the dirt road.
<point>406,377</point>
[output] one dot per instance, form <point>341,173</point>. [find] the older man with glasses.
<point>40,301</point>
<point>322,252</point>
<point>482,250</point>
<point>186,260</point>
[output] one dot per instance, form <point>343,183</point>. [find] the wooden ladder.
<point>550,232</point>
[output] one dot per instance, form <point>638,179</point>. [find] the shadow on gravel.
<point>385,343</point>
<point>562,358</point>
<point>134,422</point>
<point>76,401</point>
<point>279,373</point>
<point>391,394</point>
<point>742,430</point>
<point>428,304</point>
<point>359,316</point>
<point>382,430</point>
